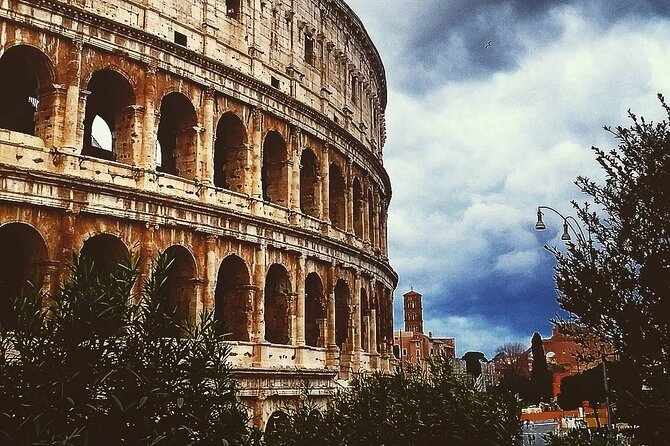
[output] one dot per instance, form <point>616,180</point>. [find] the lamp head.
<point>566,235</point>
<point>539,226</point>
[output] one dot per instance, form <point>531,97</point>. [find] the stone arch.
<point>23,259</point>
<point>315,311</point>
<point>309,183</point>
<point>232,299</point>
<point>25,71</point>
<point>109,118</point>
<point>337,196</point>
<point>230,153</point>
<point>274,172</point>
<point>371,219</point>
<point>106,251</point>
<point>177,136</point>
<point>359,209</point>
<point>342,296</point>
<point>278,422</point>
<point>278,295</point>
<point>179,289</point>
<point>365,321</point>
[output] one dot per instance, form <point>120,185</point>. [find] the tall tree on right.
<point>616,281</point>
<point>539,376</point>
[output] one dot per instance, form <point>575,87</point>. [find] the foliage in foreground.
<point>404,409</point>
<point>618,286</point>
<point>584,438</point>
<point>96,365</point>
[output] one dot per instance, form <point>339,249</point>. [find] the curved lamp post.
<point>540,226</point>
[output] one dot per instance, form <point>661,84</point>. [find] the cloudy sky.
<point>479,137</point>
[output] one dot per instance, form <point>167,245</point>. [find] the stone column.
<point>325,183</point>
<point>50,115</point>
<point>356,309</point>
<point>333,351</point>
<point>148,255</point>
<point>294,171</point>
<point>256,140</point>
<point>258,338</point>
<point>66,244</point>
<point>356,319</point>
<point>128,136</point>
<point>72,111</point>
<point>211,272</point>
<point>300,303</point>
<point>207,150</point>
<point>150,121</point>
<point>366,217</point>
<point>349,209</point>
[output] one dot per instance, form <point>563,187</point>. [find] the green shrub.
<point>97,365</point>
<point>405,409</point>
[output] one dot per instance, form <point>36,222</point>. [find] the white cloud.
<point>473,334</point>
<point>518,262</point>
<point>470,163</point>
<point>471,160</point>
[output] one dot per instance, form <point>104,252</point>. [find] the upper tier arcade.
<point>242,137</point>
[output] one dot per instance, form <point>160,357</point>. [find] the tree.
<point>511,361</point>
<point>473,363</point>
<point>407,408</point>
<point>97,365</point>
<point>618,286</point>
<point>589,386</point>
<point>540,377</point>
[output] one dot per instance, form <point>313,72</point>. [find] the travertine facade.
<point>245,137</point>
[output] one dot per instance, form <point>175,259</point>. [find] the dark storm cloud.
<point>448,39</point>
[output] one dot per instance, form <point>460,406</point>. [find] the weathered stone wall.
<point>253,185</point>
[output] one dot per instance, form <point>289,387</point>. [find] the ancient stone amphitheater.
<point>243,137</point>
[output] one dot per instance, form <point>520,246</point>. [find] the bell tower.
<point>413,312</point>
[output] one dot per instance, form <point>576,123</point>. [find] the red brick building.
<point>411,345</point>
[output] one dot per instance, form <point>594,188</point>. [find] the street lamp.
<point>540,226</point>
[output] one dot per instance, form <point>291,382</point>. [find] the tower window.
<point>309,50</point>
<point>179,38</point>
<point>274,82</point>
<point>233,9</point>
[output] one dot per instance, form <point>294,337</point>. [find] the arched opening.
<point>232,301</point>
<point>342,295</point>
<point>315,311</point>
<point>278,422</point>
<point>23,71</point>
<point>277,300</point>
<point>22,258</point>
<point>337,197</point>
<point>359,208</point>
<point>365,321</point>
<point>177,136</point>
<point>230,153</point>
<point>179,287</point>
<point>309,183</point>
<point>274,173</point>
<point>371,219</point>
<point>105,251</point>
<point>109,119</point>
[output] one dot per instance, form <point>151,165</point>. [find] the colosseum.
<point>243,137</point>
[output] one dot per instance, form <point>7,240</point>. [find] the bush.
<point>586,438</point>
<point>406,408</point>
<point>96,365</point>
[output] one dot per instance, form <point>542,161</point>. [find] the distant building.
<point>411,345</point>
<point>566,357</point>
